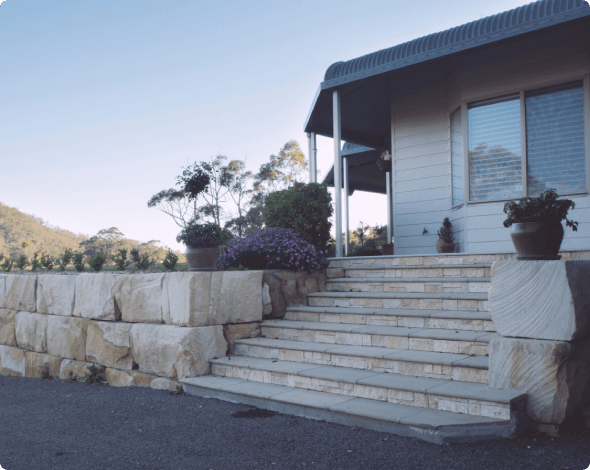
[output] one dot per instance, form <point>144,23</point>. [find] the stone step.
<point>468,320</point>
<point>435,426</point>
<point>449,366</point>
<point>473,343</point>
<point>441,259</point>
<point>477,301</point>
<point>447,395</point>
<point>407,284</point>
<point>426,271</point>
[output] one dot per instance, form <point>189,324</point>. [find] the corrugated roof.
<point>451,38</point>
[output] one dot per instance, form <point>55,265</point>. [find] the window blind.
<point>457,157</point>
<point>555,139</point>
<point>495,167</point>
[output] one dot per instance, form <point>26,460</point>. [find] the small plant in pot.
<point>445,244</point>
<point>535,225</point>
<point>202,245</point>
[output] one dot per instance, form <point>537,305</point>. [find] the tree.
<point>238,191</point>
<point>221,177</point>
<point>282,170</point>
<point>176,204</point>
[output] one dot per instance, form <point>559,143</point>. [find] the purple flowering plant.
<point>271,248</point>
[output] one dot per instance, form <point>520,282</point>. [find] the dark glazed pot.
<point>444,247</point>
<point>202,259</point>
<point>537,240</point>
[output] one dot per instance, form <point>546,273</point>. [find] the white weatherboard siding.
<point>422,151</point>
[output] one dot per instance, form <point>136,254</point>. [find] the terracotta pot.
<point>202,259</point>
<point>538,240</point>
<point>444,247</point>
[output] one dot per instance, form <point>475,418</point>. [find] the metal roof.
<point>450,40</point>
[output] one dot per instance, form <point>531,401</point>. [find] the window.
<point>553,119</point>
<point>457,157</point>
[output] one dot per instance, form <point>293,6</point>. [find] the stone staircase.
<point>395,344</point>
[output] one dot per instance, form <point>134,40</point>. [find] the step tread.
<point>360,407</point>
<point>449,388</point>
<point>405,355</point>
<point>415,266</point>
<point>405,295</point>
<point>448,314</point>
<point>425,333</point>
<point>368,280</point>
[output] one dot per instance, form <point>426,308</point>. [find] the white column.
<point>310,156</point>
<point>314,160</point>
<point>346,213</point>
<point>389,207</point>
<point>337,171</point>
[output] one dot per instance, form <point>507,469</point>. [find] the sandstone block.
<point>237,331</point>
<point>289,288</point>
<point>118,378</point>
<point>175,352</point>
<point>36,364</point>
<point>541,299</point>
<point>20,292</point>
<point>12,361</point>
<point>77,368</point>
<point>185,298</point>
<point>554,374</point>
<point>55,294</point>
<point>7,327</point>
<point>3,290</point>
<point>66,337</point>
<point>95,296</point>
<point>236,297</point>
<point>108,344</point>
<point>162,383</point>
<point>31,331</point>
<point>139,298</point>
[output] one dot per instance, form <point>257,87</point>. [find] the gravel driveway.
<point>52,425</point>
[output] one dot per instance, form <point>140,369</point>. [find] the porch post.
<point>310,156</point>
<point>346,213</point>
<point>337,171</point>
<point>389,207</point>
<point>314,160</point>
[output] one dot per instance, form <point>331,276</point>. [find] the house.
<point>477,115</point>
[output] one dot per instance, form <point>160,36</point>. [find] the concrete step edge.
<point>405,295</point>
<point>415,266</point>
<point>441,427</point>
<point>459,314</point>
<point>446,279</point>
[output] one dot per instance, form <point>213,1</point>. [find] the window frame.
<point>521,91</point>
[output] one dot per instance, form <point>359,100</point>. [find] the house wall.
<point>422,154</point>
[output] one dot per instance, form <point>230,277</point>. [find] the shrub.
<point>445,231</point>
<point>47,262</point>
<point>546,207</point>
<point>7,265</point>
<point>97,260</point>
<point>22,262</point>
<point>271,248</point>
<point>66,259</point>
<point>79,262</point>
<point>121,260</point>
<point>36,264</point>
<point>170,261</point>
<point>95,375</point>
<point>305,209</point>
<point>142,262</point>
<point>203,235</point>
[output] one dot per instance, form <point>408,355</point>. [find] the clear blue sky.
<point>103,102</point>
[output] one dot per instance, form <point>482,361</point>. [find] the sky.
<point>102,103</point>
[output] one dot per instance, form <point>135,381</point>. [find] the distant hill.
<point>17,227</point>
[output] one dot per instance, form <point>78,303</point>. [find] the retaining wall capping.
<point>542,311</point>
<point>147,329</point>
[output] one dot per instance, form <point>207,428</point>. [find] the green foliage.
<point>44,373</point>
<point>66,259</point>
<point>170,261</point>
<point>203,235</point>
<point>70,378</point>
<point>94,375</point>
<point>35,264</point>
<point>178,391</point>
<point>303,208</point>
<point>546,207</point>
<point>22,262</point>
<point>47,262</point>
<point>142,262</point>
<point>79,262</point>
<point>97,260</point>
<point>7,265</point>
<point>445,232</point>
<point>121,260</point>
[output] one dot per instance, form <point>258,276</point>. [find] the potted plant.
<point>202,245</point>
<point>535,225</point>
<point>445,244</point>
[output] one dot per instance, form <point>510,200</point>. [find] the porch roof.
<point>369,84</point>
<point>363,173</point>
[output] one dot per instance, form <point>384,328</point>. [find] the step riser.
<point>413,272</point>
<point>408,287</point>
<point>474,348</point>
<point>392,320</point>
<point>417,261</point>
<point>404,397</point>
<point>420,304</point>
<point>418,369</point>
